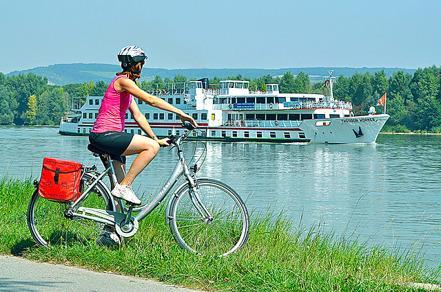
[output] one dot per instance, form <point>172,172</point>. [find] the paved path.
<point>18,274</point>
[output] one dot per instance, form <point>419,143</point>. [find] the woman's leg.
<point>146,149</point>
<point>120,170</point>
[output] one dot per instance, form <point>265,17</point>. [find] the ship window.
<point>177,132</point>
<point>132,131</point>
<point>90,101</point>
<point>90,115</point>
<point>203,116</point>
<point>224,134</point>
<point>270,117</point>
<point>170,116</point>
<point>270,100</point>
<point>246,134</point>
<point>127,115</point>
<point>170,100</point>
<point>319,116</point>
<point>161,116</point>
<point>294,117</point>
<point>273,134</point>
<point>287,135</point>
<point>78,130</point>
<point>234,133</point>
<point>169,132</point>
<point>333,116</point>
<point>260,117</point>
<point>139,132</point>
<point>281,99</point>
<point>147,115</point>
<point>139,101</point>
<point>260,100</point>
<point>302,136</point>
<point>250,117</point>
<point>239,85</point>
<point>213,133</point>
<point>195,116</point>
<point>282,117</point>
<point>97,101</point>
<point>155,116</point>
<point>259,134</point>
<point>131,116</point>
<point>240,100</point>
<point>96,115</point>
<point>177,117</point>
<point>85,115</point>
<point>178,100</point>
<point>250,100</point>
<point>306,117</point>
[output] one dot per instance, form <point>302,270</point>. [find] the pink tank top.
<point>112,113</point>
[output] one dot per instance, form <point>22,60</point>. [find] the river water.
<point>386,194</point>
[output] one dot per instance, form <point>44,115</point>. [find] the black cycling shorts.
<point>112,142</point>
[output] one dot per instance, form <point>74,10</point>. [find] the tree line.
<point>413,101</point>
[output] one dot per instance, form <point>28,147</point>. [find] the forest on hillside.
<point>413,100</point>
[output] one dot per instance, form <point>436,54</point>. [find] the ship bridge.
<point>234,87</point>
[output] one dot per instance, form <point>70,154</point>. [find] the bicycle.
<point>204,215</point>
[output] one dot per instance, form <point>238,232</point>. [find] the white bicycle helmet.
<point>131,55</point>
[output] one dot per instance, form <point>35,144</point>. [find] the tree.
<point>380,84</point>
<point>302,83</point>
<point>31,111</point>
<point>425,82</point>
<point>361,88</point>
<point>23,87</point>
<point>342,88</point>
<point>8,106</point>
<point>287,83</point>
<point>99,88</point>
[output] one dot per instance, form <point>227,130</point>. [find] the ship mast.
<point>330,83</point>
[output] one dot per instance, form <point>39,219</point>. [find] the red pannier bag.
<point>60,180</point>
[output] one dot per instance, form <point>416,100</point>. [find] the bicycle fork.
<point>196,200</point>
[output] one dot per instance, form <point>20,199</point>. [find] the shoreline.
<point>411,133</point>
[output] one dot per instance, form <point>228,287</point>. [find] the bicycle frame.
<point>181,169</point>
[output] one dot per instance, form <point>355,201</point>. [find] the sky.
<point>223,34</point>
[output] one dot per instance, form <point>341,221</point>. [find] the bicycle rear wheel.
<point>222,234</point>
<point>50,227</point>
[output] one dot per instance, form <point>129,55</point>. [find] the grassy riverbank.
<point>274,258</point>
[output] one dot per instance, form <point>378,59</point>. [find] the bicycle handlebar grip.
<point>188,125</point>
<point>172,139</point>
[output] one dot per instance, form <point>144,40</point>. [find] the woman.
<point>108,130</point>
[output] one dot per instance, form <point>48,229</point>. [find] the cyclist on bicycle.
<point>108,130</point>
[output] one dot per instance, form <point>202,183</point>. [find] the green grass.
<point>275,258</point>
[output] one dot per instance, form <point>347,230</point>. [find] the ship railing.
<point>289,105</point>
<point>261,124</point>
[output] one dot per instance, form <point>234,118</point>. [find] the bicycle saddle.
<point>96,150</point>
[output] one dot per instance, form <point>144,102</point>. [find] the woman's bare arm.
<point>125,84</point>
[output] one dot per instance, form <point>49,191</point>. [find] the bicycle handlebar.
<point>175,140</point>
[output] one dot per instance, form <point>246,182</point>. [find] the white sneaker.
<point>126,193</point>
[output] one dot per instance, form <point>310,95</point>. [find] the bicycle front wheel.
<point>219,230</point>
<point>50,227</point>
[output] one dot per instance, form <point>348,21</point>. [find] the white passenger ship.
<point>233,113</point>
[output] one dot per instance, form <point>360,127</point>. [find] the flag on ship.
<point>382,100</point>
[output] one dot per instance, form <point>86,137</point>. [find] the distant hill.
<point>62,74</point>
